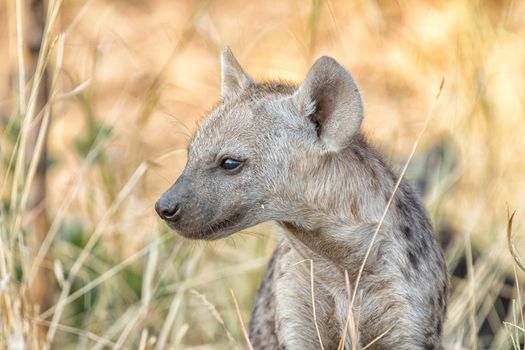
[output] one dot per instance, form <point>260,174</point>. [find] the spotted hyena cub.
<point>295,155</point>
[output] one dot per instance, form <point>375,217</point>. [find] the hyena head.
<point>258,154</point>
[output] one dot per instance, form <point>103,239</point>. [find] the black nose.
<point>168,209</point>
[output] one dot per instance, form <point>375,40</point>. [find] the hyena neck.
<point>338,222</point>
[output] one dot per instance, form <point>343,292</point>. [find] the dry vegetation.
<point>129,81</point>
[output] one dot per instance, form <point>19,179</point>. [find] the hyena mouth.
<point>214,231</point>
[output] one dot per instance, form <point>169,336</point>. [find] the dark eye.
<point>230,164</point>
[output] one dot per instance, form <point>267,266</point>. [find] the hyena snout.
<point>169,208</point>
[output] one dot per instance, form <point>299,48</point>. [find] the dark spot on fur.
<point>429,346</point>
<point>408,233</point>
<point>440,300</point>
<point>424,245</point>
<point>354,209</point>
<point>392,176</point>
<point>444,295</point>
<point>413,259</point>
<point>359,155</point>
<point>402,208</point>
<point>422,250</point>
<point>431,301</point>
<point>406,274</point>
<point>429,333</point>
<point>375,182</point>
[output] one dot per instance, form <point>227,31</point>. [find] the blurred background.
<point>98,100</point>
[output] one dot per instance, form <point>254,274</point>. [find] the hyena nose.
<point>168,210</point>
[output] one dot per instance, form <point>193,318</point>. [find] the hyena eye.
<point>230,164</point>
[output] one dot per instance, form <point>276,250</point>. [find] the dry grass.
<point>130,80</point>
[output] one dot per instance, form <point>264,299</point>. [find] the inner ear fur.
<point>330,99</point>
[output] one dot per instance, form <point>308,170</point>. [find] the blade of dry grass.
<point>313,304</point>
<point>77,331</point>
<point>167,326</point>
<point>34,163</point>
<point>472,292</point>
<point>239,316</point>
<point>520,304</point>
<point>20,55</point>
<point>143,339</point>
<point>170,319</point>
<point>512,248</point>
<point>216,315</point>
<point>147,293</point>
<point>517,260</point>
<point>411,155</point>
<point>350,323</point>
<point>378,337</point>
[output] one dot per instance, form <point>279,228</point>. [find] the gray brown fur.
<point>306,165</point>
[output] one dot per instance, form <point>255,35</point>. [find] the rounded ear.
<point>233,78</point>
<point>331,100</point>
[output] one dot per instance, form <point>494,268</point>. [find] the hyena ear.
<point>331,100</point>
<point>233,78</point>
